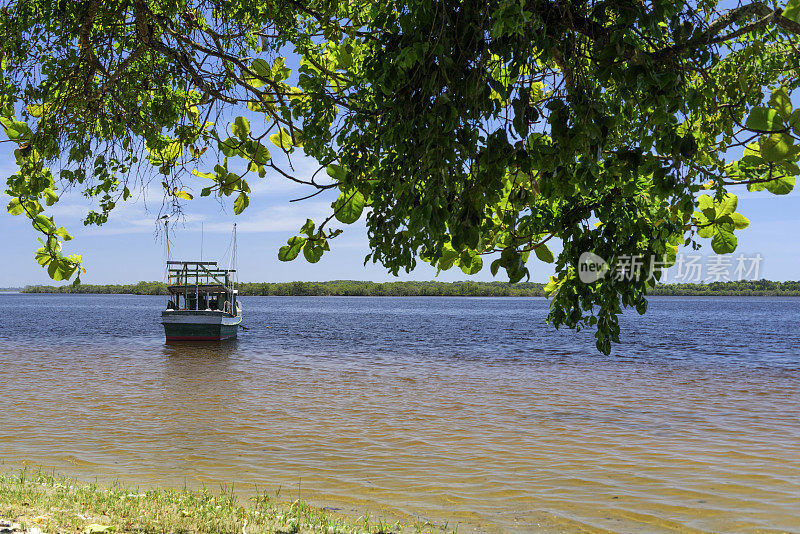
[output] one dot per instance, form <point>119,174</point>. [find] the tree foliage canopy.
<point>456,129</point>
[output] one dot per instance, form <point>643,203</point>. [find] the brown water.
<point>468,411</point>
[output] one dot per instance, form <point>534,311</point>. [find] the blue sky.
<point>128,248</point>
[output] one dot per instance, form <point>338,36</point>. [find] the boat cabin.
<point>201,286</point>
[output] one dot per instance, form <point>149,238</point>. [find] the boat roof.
<point>197,265</point>
<point>184,277</point>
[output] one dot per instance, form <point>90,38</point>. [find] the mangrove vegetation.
<point>428,289</point>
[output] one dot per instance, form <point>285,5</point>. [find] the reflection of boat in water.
<point>181,353</point>
<point>203,304</point>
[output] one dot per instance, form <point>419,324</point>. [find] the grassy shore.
<point>43,503</point>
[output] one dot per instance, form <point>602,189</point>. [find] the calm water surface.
<point>460,409</point>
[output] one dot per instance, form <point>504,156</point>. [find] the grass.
<point>59,505</point>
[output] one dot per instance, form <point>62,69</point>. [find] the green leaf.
<point>16,130</point>
<point>61,269</point>
<point>763,119</point>
<point>171,152</point>
<point>752,149</point>
<point>255,105</point>
<point>780,102</point>
<point>790,167</point>
<point>292,249</point>
<point>724,241</point>
<point>261,154</point>
<point>15,207</point>
<point>781,186</point>
<point>63,234</point>
<point>54,271</point>
<point>792,10</point>
<point>193,113</point>
<point>229,146</point>
<point>241,127</point>
<point>473,266</point>
<point>345,59</point>
<point>282,139</point>
<point>308,227</point>
<point>552,287</point>
<point>279,70</point>
<point>95,528</point>
<point>241,202</point>
<point>297,138</point>
<point>337,172</point>
<point>255,82</point>
<point>706,230</point>
<point>312,254</point>
<point>36,110</point>
<point>495,266</point>
<point>43,223</point>
<point>229,184</point>
<point>704,202</point>
<point>727,205</point>
<point>794,120</point>
<point>449,256</point>
<point>776,147</point>
<point>544,253</point>
<point>210,176</point>
<point>751,160</point>
<point>261,67</point>
<point>349,206</point>
<point>740,222</point>
<point>42,257</point>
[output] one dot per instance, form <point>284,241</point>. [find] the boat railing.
<point>200,283</point>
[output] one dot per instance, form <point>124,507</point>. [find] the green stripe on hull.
<point>199,332</point>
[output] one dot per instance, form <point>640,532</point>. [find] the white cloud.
<point>274,182</point>
<point>280,218</point>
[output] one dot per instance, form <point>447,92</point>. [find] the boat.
<point>203,300</point>
<point>203,303</point>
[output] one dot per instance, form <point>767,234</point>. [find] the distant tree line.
<point>141,288</point>
<point>739,288</point>
<point>333,288</point>
<point>432,289</point>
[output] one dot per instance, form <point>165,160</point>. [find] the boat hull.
<point>186,325</point>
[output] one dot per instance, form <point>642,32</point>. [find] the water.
<point>466,410</point>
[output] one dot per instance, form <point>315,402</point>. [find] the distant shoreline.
<point>344,288</point>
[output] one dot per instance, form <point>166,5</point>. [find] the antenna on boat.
<point>233,254</point>
<point>166,230</point>
<point>201,241</point>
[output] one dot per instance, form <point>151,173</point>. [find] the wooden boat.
<point>203,303</point>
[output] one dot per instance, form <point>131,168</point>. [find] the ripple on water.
<point>468,410</point>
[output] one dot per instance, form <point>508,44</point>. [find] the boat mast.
<point>166,232</point>
<point>166,229</point>
<point>236,273</point>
